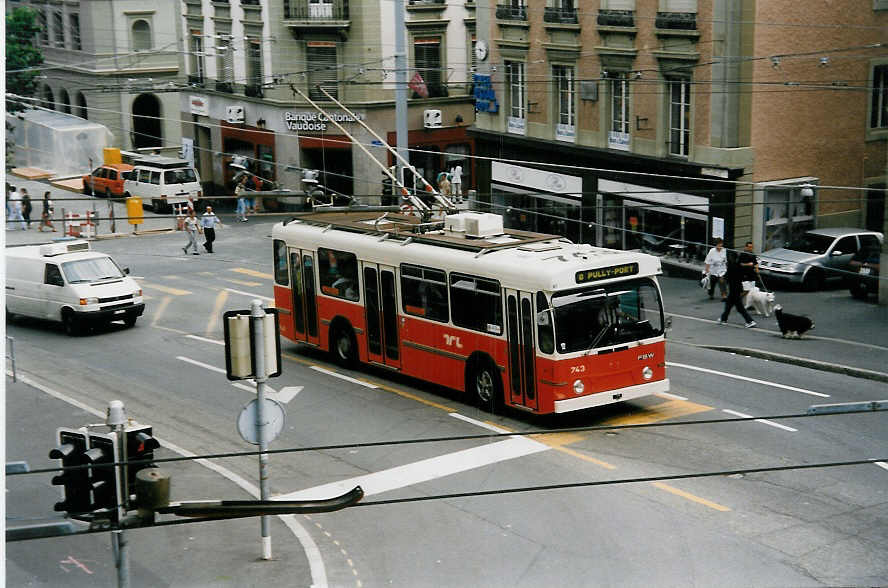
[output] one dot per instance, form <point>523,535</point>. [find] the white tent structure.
<point>57,142</point>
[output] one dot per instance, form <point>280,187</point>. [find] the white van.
<point>162,182</point>
<point>68,282</point>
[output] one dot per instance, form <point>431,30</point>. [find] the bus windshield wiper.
<point>600,337</point>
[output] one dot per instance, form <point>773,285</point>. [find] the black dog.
<point>793,326</point>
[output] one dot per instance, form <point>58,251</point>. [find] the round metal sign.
<point>274,418</point>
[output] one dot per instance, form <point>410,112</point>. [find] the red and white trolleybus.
<point>527,319</point>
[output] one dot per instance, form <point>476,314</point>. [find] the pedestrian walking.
<point>9,191</point>
<point>15,210</point>
<point>46,215</point>
<point>208,222</point>
<point>749,267</point>
<point>251,186</point>
<point>444,186</point>
<point>26,208</point>
<point>241,212</point>
<point>192,228</point>
<point>735,295</point>
<point>716,266</point>
<point>456,181</point>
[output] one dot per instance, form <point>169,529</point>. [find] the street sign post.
<point>253,350</point>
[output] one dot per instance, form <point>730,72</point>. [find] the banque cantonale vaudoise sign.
<point>317,122</point>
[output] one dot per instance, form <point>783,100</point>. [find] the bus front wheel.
<point>485,385</point>
<point>343,346</point>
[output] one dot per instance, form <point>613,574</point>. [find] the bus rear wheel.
<point>485,385</point>
<point>343,346</point>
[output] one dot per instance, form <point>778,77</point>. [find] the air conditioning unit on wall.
<point>431,119</point>
<point>235,114</point>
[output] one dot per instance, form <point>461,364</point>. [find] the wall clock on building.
<point>481,50</point>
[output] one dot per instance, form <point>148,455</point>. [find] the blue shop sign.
<point>485,97</point>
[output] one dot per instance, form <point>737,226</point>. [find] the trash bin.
<point>134,210</point>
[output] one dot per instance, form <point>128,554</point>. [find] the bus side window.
<point>424,292</point>
<point>281,272</point>
<point>476,303</point>
<point>338,273</point>
<point>545,335</point>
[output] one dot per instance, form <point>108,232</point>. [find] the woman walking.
<point>46,215</point>
<point>27,207</point>
<point>716,266</point>
<point>192,228</point>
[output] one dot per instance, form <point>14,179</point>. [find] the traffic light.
<point>86,490</point>
<point>140,446</point>
<point>76,492</point>
<point>103,480</point>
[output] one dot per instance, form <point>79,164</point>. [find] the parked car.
<point>107,180</point>
<point>162,182</point>
<point>866,280</point>
<point>817,256</point>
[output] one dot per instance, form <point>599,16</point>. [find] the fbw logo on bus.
<point>452,341</point>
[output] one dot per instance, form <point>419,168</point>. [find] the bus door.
<point>520,328</point>
<point>382,314</point>
<point>305,308</point>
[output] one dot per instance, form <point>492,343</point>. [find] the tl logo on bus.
<point>452,341</point>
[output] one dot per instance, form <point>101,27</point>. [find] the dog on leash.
<point>761,302</point>
<point>792,326</point>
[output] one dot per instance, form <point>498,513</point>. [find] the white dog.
<point>761,302</point>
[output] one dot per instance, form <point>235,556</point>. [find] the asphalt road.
<point>790,528</point>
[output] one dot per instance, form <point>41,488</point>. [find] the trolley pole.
<point>257,314</point>
<point>116,419</point>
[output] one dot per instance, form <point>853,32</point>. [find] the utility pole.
<point>401,89</point>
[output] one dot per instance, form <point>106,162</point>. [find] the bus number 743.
<point>577,369</point>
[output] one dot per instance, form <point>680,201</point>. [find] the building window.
<point>879,106</point>
<point>620,104</point>
<point>197,58</point>
<point>74,20</point>
<point>58,25</point>
<point>618,131</point>
<point>81,106</point>
<point>141,35</point>
<point>427,60</point>
<point>254,67</point>
<point>224,65</point>
<point>517,88</point>
<point>322,69</point>
<point>565,89</point>
<point>679,117</point>
<point>43,23</point>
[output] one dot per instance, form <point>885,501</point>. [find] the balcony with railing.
<point>677,21</point>
<point>511,12</point>
<point>616,18</point>
<point>559,15</point>
<point>304,14</point>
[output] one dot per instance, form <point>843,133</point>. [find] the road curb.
<point>802,361</point>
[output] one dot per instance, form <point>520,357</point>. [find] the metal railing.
<point>304,10</point>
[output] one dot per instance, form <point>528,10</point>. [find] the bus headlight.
<point>88,301</point>
<point>647,373</point>
<point>578,387</point>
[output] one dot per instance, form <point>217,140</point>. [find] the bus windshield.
<point>606,316</point>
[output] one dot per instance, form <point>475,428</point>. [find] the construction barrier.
<point>80,225</point>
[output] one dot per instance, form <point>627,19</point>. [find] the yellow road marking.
<point>665,410</point>
<point>691,497</point>
<point>172,277</point>
<point>221,299</point>
<point>249,272</point>
<point>160,309</point>
<point>166,289</point>
<point>242,282</point>
<point>557,441</point>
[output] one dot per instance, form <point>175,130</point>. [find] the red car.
<point>107,180</point>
